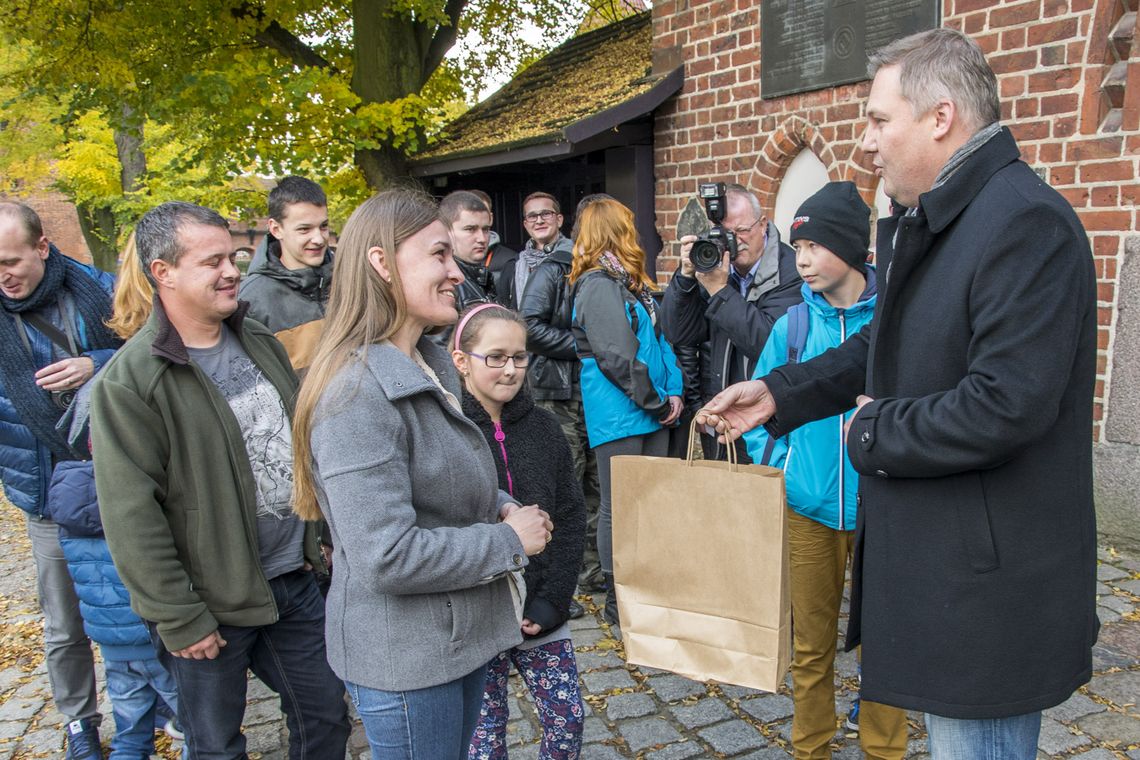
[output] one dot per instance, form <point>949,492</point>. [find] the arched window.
<point>804,176</point>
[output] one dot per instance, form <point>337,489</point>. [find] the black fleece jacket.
<point>542,473</point>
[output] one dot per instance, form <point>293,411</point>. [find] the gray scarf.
<point>529,258</point>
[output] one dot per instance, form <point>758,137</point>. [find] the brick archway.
<point>793,135</point>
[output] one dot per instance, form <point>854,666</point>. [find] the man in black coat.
<point>975,559</point>
<point>725,315</point>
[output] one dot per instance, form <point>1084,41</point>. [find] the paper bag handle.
<point>694,439</point>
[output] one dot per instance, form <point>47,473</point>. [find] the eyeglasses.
<point>545,215</point>
<point>744,230</point>
<point>498,361</point>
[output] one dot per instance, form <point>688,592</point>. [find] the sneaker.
<point>171,729</point>
<point>83,740</point>
<point>852,721</point>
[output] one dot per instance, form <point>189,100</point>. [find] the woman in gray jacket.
<point>423,594</point>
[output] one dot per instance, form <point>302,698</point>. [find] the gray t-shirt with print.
<point>267,433</point>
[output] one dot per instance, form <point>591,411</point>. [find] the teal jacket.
<point>821,483</point>
<point>629,370</point>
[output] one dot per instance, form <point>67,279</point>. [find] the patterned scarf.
<point>18,368</point>
<point>611,264</point>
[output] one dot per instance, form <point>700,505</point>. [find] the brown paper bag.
<point>701,568</point>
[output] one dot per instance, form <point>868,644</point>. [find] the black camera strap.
<point>65,341</point>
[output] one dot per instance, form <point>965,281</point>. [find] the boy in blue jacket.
<point>139,687</point>
<point>831,233</point>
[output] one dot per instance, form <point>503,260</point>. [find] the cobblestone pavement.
<point>632,712</point>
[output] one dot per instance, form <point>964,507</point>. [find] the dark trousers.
<point>572,420</point>
<point>289,656</point>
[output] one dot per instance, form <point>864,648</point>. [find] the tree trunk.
<point>100,231</point>
<point>383,167</point>
<point>128,146</point>
<point>387,65</point>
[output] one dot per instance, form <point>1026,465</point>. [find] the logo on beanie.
<point>800,220</point>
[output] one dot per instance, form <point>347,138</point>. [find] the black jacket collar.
<point>513,410</point>
<point>943,204</point>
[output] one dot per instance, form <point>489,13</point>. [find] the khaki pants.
<point>819,557</point>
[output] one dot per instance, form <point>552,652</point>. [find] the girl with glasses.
<point>533,462</point>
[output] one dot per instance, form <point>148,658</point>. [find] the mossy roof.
<point>582,77</point>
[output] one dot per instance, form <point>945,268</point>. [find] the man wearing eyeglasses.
<point>543,298</point>
<point>726,314</point>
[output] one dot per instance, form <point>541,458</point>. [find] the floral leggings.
<point>551,674</point>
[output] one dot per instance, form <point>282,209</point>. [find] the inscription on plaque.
<point>812,44</point>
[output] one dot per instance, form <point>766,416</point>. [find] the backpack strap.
<point>797,339</point>
<point>797,332</point>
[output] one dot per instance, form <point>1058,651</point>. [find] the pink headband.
<point>467,318</point>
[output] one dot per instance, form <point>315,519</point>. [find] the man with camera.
<point>734,282</point>
<point>52,340</point>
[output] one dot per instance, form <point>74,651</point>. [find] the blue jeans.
<point>1013,738</point>
<point>289,656</point>
<point>435,723</point>
<point>135,688</point>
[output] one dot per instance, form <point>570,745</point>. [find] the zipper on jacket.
<point>500,436</point>
<point>842,438</point>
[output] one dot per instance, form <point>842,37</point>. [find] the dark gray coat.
<point>419,596</point>
<point>975,556</point>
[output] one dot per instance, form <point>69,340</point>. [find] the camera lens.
<point>63,399</point>
<point>706,255</point>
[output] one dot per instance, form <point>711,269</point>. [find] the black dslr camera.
<point>709,249</point>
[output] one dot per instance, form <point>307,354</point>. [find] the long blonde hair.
<point>363,309</point>
<point>134,295</point>
<point>607,225</point>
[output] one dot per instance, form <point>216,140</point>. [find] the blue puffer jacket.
<point>103,599</point>
<point>25,464</point>
<point>820,481</point>
<point>628,368</point>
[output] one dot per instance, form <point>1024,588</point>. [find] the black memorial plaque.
<point>812,44</point>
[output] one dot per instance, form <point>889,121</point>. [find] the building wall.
<point>61,223</point>
<point>1052,58</point>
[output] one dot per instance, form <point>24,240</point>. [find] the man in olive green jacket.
<point>193,464</point>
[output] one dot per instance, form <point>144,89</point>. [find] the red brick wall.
<point>61,223</point>
<point>1050,57</point>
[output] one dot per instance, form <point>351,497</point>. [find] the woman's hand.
<point>676,406</point>
<point>533,527</point>
<point>531,628</point>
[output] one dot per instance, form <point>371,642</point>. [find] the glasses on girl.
<point>498,361</point>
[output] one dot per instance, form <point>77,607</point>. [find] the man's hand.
<point>676,406</point>
<point>206,649</point>
<point>737,409</point>
<point>66,374</point>
<point>687,267</point>
<point>717,279</point>
<point>860,402</point>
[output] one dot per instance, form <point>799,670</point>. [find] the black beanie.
<point>838,219</point>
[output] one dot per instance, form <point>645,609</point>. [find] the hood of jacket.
<point>560,251</point>
<point>309,281</point>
